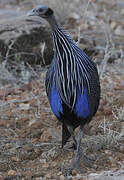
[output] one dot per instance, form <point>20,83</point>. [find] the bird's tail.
<point>65,134</point>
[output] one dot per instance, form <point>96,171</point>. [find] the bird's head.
<point>41,11</point>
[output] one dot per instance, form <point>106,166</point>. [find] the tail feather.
<point>65,134</point>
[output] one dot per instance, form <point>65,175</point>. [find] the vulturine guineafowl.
<point>72,83</point>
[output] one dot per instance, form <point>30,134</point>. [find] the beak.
<point>31,13</point>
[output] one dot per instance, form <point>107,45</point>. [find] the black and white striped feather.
<point>70,69</point>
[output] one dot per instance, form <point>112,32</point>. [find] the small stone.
<point>43,161</point>
<point>62,177</point>
<point>15,159</point>
<point>54,164</point>
<point>35,140</point>
<point>8,146</point>
<point>24,106</point>
<point>46,165</point>
<point>70,161</point>
<point>48,176</point>
<point>106,151</point>
<point>119,31</point>
<point>28,174</point>
<point>12,173</point>
<point>110,153</point>
<point>76,178</point>
<point>122,149</point>
<point>59,173</point>
<point>108,110</point>
<point>37,151</point>
<point>74,172</point>
<point>113,25</point>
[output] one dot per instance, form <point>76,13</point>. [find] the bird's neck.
<point>53,22</point>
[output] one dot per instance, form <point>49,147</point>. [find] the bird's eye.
<point>49,12</point>
<point>40,10</point>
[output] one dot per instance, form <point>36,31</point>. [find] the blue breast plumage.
<point>81,109</point>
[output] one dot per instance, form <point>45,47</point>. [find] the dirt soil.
<point>30,138</point>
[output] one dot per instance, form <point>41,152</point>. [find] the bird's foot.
<point>73,146</point>
<point>77,168</point>
<point>68,170</point>
<point>88,161</point>
<point>75,165</point>
<point>70,146</point>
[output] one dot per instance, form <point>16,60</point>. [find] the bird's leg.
<point>76,160</point>
<point>70,129</point>
<point>79,154</point>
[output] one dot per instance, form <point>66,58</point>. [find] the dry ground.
<point>30,137</point>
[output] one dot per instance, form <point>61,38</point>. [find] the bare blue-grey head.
<point>45,12</point>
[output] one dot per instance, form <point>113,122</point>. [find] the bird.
<point>72,83</point>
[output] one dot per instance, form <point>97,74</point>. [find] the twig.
<point>42,52</point>
<point>85,11</point>
<point>105,60</point>
<point>19,101</point>
<point>84,15</point>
